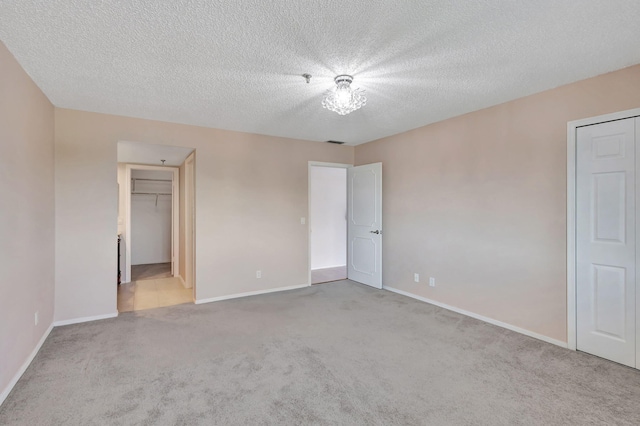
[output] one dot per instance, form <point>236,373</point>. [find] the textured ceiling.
<point>237,65</point>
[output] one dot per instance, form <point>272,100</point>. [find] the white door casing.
<point>637,225</point>
<point>174,240</point>
<point>606,240</point>
<point>189,227</point>
<point>364,227</point>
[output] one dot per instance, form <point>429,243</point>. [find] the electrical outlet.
<point>258,274</point>
<point>303,220</point>
<point>432,282</point>
<point>35,319</point>
<point>416,278</point>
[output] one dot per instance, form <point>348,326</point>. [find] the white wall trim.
<point>572,126</point>
<point>330,267</point>
<point>84,319</point>
<point>5,393</point>
<point>309,218</point>
<point>335,165</point>
<point>571,236</point>
<point>479,317</point>
<point>249,293</point>
<point>189,222</point>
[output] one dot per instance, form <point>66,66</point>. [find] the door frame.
<point>572,127</point>
<point>189,223</point>
<point>309,218</point>
<point>175,216</point>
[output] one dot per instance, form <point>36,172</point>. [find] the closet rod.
<point>151,193</point>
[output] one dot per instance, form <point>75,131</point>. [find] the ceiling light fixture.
<point>343,99</point>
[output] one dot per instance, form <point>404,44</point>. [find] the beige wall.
<point>479,203</point>
<point>27,227</point>
<point>250,195</point>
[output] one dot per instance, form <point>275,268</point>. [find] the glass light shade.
<point>343,99</point>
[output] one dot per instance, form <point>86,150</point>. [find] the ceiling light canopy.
<point>343,99</point>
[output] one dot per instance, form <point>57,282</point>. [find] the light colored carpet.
<point>339,353</point>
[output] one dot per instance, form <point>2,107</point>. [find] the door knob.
<point>376,232</point>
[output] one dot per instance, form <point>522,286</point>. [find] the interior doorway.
<point>345,223</point>
<point>152,231</point>
<point>328,222</point>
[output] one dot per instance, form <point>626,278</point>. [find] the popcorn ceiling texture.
<point>237,65</point>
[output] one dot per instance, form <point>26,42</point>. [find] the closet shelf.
<point>152,180</point>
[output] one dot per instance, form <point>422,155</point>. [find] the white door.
<point>364,227</point>
<point>606,240</point>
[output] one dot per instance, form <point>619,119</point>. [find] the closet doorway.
<point>153,222</point>
<point>154,202</point>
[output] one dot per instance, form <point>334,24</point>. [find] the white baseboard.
<point>85,319</point>
<point>329,267</point>
<point>249,293</point>
<point>12,383</point>
<point>481,318</point>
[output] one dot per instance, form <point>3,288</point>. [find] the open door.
<point>364,227</point>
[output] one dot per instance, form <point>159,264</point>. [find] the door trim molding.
<point>189,224</point>
<point>572,127</point>
<point>309,218</point>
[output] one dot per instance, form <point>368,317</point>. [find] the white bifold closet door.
<point>606,240</point>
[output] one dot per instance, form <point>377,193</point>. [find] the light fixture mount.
<point>343,99</point>
<point>343,78</point>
